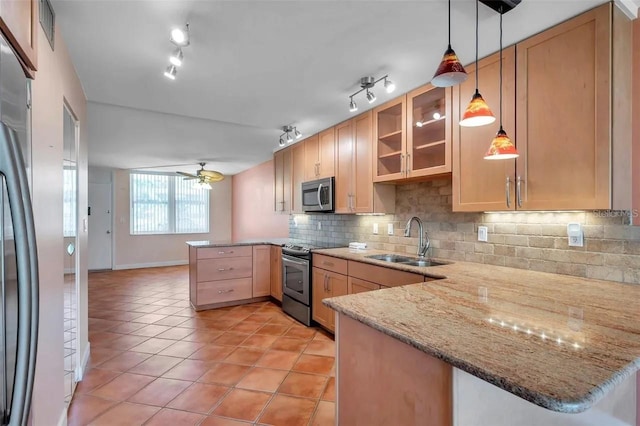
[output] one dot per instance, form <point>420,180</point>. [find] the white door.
<point>100,226</point>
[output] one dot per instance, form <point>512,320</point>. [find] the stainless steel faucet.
<point>423,246</point>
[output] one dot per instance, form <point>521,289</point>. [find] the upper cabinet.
<point>19,24</point>
<point>282,161</point>
<point>565,115</point>
<point>320,155</point>
<point>297,176</point>
<point>412,135</point>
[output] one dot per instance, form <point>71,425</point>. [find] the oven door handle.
<point>288,259</point>
<point>319,198</point>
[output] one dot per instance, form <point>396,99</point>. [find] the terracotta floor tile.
<point>124,361</point>
<point>262,317</point>
<point>182,349</point>
<point>160,392</point>
<point>150,330</point>
<point>153,345</point>
<point>247,356</point>
<point>246,327</point>
<point>304,385</point>
<point>103,338</point>
<point>149,318</point>
<point>221,421</point>
<point>262,341</point>
<point>85,408</point>
<point>262,379</point>
<point>203,336</point>
<point>122,387</point>
<point>126,328</point>
<point>189,369</point>
<point>126,414</point>
<point>166,417</point>
<point>95,378</point>
<point>282,319</point>
<point>175,333</point>
<point>278,359</point>
<point>242,404</point>
<point>99,355</point>
<point>301,332</point>
<point>231,338</point>
<point>289,344</point>
<point>199,398</point>
<point>156,365</point>
<point>226,374</point>
<point>287,410</point>
<point>127,342</point>
<point>171,321</point>
<point>323,336</point>
<point>273,329</point>
<point>168,310</point>
<point>325,414</point>
<point>329,393</point>
<point>314,364</point>
<point>321,347</point>
<point>212,352</point>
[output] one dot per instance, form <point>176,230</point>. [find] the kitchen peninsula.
<point>456,350</point>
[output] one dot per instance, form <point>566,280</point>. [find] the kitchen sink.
<point>411,261</point>
<point>393,258</point>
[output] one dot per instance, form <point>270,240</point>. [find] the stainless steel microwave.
<point>317,195</point>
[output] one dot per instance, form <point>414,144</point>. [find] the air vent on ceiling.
<point>48,20</point>
<point>501,6</point>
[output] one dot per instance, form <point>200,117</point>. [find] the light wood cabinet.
<point>19,24</point>
<point>276,273</point>
<point>567,111</point>
<point>320,155</point>
<point>384,277</point>
<point>282,161</point>
<point>326,284</point>
<point>355,190</point>
<point>261,271</point>
<point>356,285</point>
<point>412,135</point>
<point>636,123</point>
<point>297,176</point>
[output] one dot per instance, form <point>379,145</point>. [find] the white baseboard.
<point>152,264</point>
<point>63,417</point>
<point>83,363</point>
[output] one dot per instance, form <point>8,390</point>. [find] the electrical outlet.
<point>576,237</point>
<point>390,229</point>
<point>375,228</point>
<point>319,226</point>
<point>483,233</point>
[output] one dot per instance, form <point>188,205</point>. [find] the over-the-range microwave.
<point>317,195</point>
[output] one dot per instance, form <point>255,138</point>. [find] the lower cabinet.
<point>326,284</point>
<point>356,285</point>
<point>276,273</point>
<point>261,271</point>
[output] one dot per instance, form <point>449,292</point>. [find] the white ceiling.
<point>254,66</point>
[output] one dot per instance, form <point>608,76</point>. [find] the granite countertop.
<point>262,241</point>
<point>557,341</point>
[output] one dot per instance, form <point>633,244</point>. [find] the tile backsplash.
<point>526,240</point>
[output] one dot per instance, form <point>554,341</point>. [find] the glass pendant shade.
<point>477,113</point>
<point>501,148</point>
<point>450,72</point>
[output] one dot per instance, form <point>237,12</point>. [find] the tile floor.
<point>155,361</point>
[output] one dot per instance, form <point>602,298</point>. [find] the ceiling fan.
<point>204,177</point>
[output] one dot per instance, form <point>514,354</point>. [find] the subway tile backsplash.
<point>525,240</point>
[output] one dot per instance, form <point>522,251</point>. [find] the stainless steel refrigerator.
<point>18,263</point>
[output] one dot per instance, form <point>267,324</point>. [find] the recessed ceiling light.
<point>171,72</point>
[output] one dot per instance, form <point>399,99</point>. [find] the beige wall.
<point>137,251</point>
<point>56,83</point>
<point>253,213</point>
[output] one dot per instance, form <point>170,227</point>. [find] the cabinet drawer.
<point>221,252</point>
<point>330,263</point>
<point>224,269</point>
<point>224,291</point>
<point>356,285</point>
<point>384,276</point>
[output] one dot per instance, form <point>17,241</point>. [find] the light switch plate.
<point>375,228</point>
<point>574,232</point>
<point>390,228</point>
<point>483,233</point>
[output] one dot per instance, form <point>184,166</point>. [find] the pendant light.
<point>450,71</point>
<point>501,148</point>
<point>478,112</point>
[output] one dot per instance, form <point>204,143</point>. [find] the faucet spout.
<point>423,246</point>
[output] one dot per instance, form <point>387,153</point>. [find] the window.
<point>167,204</point>
<point>69,201</point>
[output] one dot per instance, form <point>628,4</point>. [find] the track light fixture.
<point>180,38</point>
<point>366,83</point>
<point>286,135</point>
<point>176,57</point>
<point>170,72</point>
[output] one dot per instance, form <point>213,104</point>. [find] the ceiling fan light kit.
<point>366,84</point>
<point>204,178</point>
<point>181,38</point>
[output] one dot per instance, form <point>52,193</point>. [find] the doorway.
<point>100,241</point>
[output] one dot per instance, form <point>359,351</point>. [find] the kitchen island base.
<point>381,380</point>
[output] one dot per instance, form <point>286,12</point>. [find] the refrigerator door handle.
<point>13,168</point>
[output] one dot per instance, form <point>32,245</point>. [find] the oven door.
<point>295,278</point>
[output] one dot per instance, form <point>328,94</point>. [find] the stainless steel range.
<point>296,282</point>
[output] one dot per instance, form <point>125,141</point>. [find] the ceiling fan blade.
<point>211,173</point>
<point>190,178</point>
<point>188,175</point>
<point>212,179</point>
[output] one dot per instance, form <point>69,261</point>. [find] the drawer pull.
<point>226,252</point>
<point>223,269</point>
<point>225,291</point>
<point>327,263</point>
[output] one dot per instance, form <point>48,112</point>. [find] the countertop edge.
<point>563,406</point>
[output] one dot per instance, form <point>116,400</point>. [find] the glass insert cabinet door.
<point>390,140</point>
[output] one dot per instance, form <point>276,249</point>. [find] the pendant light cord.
<point>501,70</point>
<point>477,70</point>
<point>449,24</point>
